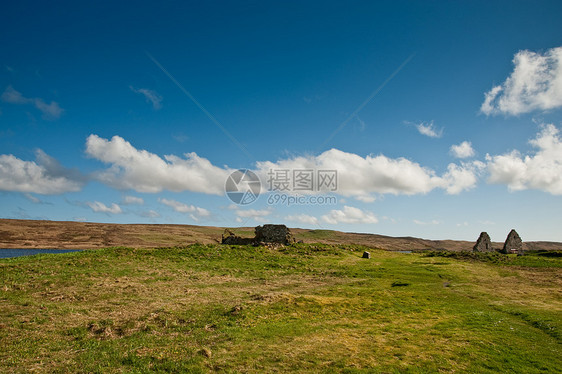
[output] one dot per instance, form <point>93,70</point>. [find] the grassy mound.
<point>303,308</point>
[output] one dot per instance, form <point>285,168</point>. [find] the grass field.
<point>303,308</point>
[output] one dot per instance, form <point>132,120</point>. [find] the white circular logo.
<point>242,187</point>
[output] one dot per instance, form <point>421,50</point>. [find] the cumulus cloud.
<point>429,129</point>
<point>143,171</point>
<point>184,208</point>
<point>541,170</point>
<point>50,111</point>
<point>360,176</point>
<point>150,96</point>
<point>349,214</point>
<point>98,207</point>
<point>534,84</point>
<point>357,176</point>
<point>44,176</point>
<point>133,200</point>
<point>303,218</point>
<point>462,177</point>
<point>463,150</point>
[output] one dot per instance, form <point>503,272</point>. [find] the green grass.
<point>303,308</point>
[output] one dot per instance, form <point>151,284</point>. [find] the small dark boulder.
<point>483,244</point>
<point>366,254</point>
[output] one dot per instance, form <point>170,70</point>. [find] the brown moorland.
<point>88,235</point>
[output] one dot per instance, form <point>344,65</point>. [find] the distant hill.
<point>85,235</point>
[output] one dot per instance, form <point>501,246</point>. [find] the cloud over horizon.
<point>98,207</point>
<point>349,214</point>
<point>361,176</point>
<point>143,171</point>
<point>534,84</point>
<point>44,176</point>
<point>541,170</point>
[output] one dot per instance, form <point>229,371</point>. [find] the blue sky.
<point>441,118</point>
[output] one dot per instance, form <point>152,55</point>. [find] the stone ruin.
<point>483,244</point>
<point>513,243</point>
<point>266,234</point>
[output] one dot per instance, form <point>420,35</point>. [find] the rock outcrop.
<point>483,244</point>
<point>513,243</point>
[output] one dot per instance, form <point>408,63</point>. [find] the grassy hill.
<point>303,308</point>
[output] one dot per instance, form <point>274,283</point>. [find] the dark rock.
<point>366,255</point>
<point>274,234</point>
<point>483,244</point>
<point>513,243</point>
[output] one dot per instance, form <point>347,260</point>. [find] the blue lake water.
<point>6,253</point>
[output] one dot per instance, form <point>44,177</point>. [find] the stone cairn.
<point>513,243</point>
<point>483,244</point>
<point>264,235</point>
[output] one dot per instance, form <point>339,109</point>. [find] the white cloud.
<point>143,171</point>
<point>98,207</point>
<point>46,176</point>
<point>184,208</point>
<point>462,177</point>
<point>349,214</point>
<point>253,213</point>
<point>428,129</point>
<point>365,198</point>
<point>12,96</point>
<point>534,84</point>
<point>32,198</point>
<point>150,96</point>
<point>132,200</point>
<point>50,111</point>
<point>423,223</point>
<point>150,214</point>
<point>360,176</point>
<point>463,150</point>
<point>541,170</point>
<point>357,176</point>
<point>303,218</point>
